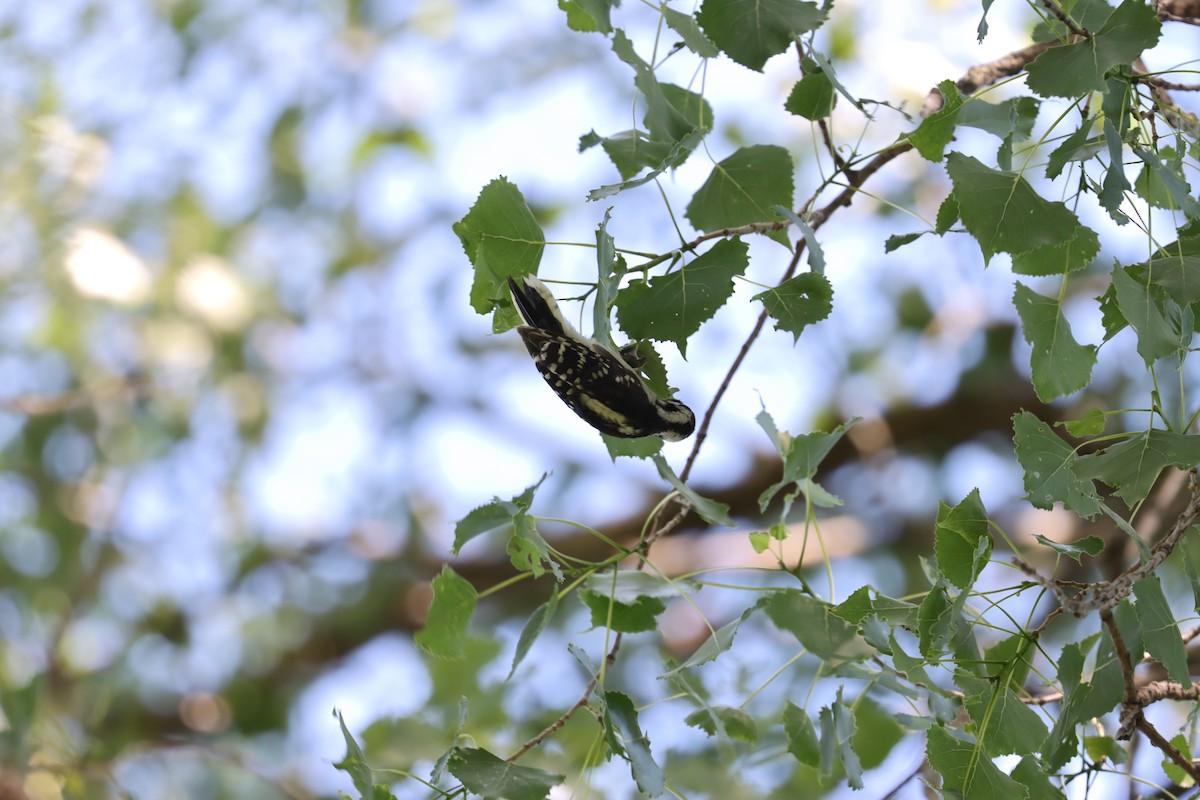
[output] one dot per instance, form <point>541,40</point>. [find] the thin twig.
<point>1172,752</point>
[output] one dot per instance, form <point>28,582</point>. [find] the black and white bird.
<point>597,383</point>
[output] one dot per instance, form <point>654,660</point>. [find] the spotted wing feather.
<point>594,383</point>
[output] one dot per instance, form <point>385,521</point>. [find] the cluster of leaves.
<point>969,697</point>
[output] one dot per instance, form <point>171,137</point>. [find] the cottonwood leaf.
<point>964,769</point>
<point>935,131</point>
<point>815,625</point>
<point>1050,466</point>
<point>626,737</point>
<point>501,237</point>
<point>801,735</point>
<point>743,188</point>
<point>1155,318</point>
<point>957,536</point>
<point>751,31</point>
<point>488,775</point>
<point>1060,364</point>
<point>1160,631</point>
<point>672,307</point>
<point>671,112</point>
<point>736,724</point>
<point>1077,68</point>
<point>1004,214</point>
<point>812,97</point>
<point>1132,466</point>
<point>1003,724</point>
<point>449,615</point>
<point>798,302</point>
<point>688,29</point>
<point>588,16</point>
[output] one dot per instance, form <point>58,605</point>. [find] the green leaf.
<point>1115,185</point>
<point>816,253</point>
<point>1090,424</point>
<point>1166,184</point>
<point>1013,117</point>
<point>1132,466</point>
<point>935,131</point>
<point>1173,770</point>
<point>964,769</point>
<point>1160,630</point>
<point>493,515</point>
<point>860,604</point>
<point>1003,725</point>
<point>446,624</point>
<point>709,510</point>
<point>355,765</point>
<point>1076,147</point>
<point>1082,701</point>
<point>671,112</point>
<point>743,188</point>
<point>609,270</point>
<point>1087,546</point>
<point>631,585</point>
<point>1087,14</point>
<point>895,242</point>
<point>936,621</point>
<point>1004,214</point>
<point>626,737</point>
<point>815,625</point>
<point>801,735</point>
<point>802,455</point>
<point>1078,68</point>
<point>672,307</point>
<point>487,775</point>
<point>1007,661</point>
<point>640,447</point>
<point>837,735</point>
<point>957,536</point>
<point>528,551</point>
<point>947,215</point>
<point>588,16</point>
<point>630,151</point>
<point>636,599</point>
<point>798,302</point>
<point>736,724</point>
<point>689,30</point>
<point>1177,274</point>
<point>716,644</point>
<point>1060,364</point>
<point>1102,748</point>
<point>751,31</point>
<point>877,733</point>
<point>812,97</point>
<point>534,626</point>
<point>634,617</point>
<point>1110,313</point>
<point>1059,259</point>
<point>1050,468</point>
<point>501,237</point>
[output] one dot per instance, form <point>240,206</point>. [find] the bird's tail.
<point>538,308</point>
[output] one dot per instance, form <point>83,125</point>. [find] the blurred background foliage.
<point>244,398</point>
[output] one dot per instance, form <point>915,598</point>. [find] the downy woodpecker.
<point>596,382</point>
